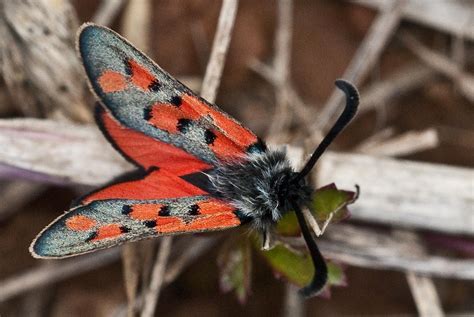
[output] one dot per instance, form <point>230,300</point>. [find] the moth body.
<point>261,187</point>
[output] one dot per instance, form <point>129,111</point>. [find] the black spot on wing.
<point>92,236</point>
<point>127,66</point>
<point>164,211</point>
<point>176,101</point>
<point>194,210</point>
<point>154,86</point>
<point>124,229</point>
<point>126,209</point>
<point>147,113</point>
<point>183,124</point>
<point>209,136</point>
<point>150,223</point>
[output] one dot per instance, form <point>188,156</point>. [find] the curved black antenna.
<point>352,102</point>
<point>320,276</point>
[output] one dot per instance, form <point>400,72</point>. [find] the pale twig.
<point>220,47</point>
<point>136,23</point>
<point>281,69</point>
<point>157,278</point>
<point>294,302</point>
<point>54,272</point>
<point>402,82</point>
<point>453,17</point>
<point>442,64</point>
<point>195,248</point>
<point>422,287</point>
<point>107,11</point>
<point>403,193</point>
<point>425,295</point>
<point>368,53</point>
<point>301,110</point>
<point>405,144</point>
<point>370,248</point>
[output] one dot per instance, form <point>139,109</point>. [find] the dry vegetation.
<point>408,247</point>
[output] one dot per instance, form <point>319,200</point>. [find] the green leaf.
<point>329,199</point>
<point>297,267</point>
<point>235,268</point>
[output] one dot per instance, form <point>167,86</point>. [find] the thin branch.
<point>294,302</point>
<point>405,144</point>
<point>136,23</point>
<point>195,248</point>
<point>368,53</point>
<point>17,194</point>
<point>406,80</point>
<point>220,47</point>
<point>281,70</point>
<point>157,277</point>
<point>442,64</point>
<point>370,248</point>
<point>55,272</point>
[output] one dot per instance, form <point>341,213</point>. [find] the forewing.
<point>106,223</point>
<point>143,97</point>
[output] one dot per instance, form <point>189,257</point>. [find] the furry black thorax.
<point>260,187</point>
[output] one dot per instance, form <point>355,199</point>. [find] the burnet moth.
<point>198,169</point>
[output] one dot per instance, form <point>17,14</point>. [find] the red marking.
<point>158,184</point>
<point>214,206</point>
<point>170,224</point>
<point>140,76</point>
<point>108,231</point>
<point>111,81</point>
<point>224,148</point>
<point>145,211</point>
<point>212,222</point>
<point>234,131</point>
<point>148,151</point>
<point>165,117</point>
<point>80,223</point>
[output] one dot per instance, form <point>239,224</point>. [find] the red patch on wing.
<point>108,231</point>
<point>225,148</point>
<point>111,81</point>
<point>145,211</point>
<point>80,223</point>
<point>214,206</point>
<point>212,222</point>
<point>140,76</point>
<point>158,184</point>
<point>166,117</point>
<point>234,131</point>
<point>147,151</point>
<point>170,224</point>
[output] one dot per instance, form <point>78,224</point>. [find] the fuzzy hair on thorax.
<point>260,186</point>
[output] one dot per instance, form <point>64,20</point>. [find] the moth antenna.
<point>352,102</point>
<point>320,269</point>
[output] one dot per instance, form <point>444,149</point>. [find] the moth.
<point>198,169</point>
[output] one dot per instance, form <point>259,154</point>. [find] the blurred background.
<point>408,247</point>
